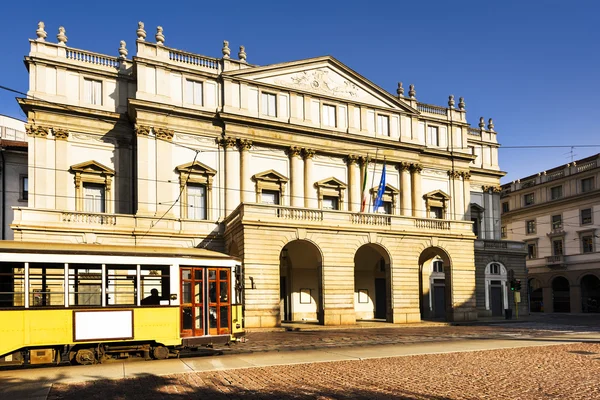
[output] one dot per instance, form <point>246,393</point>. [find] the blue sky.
<point>532,66</point>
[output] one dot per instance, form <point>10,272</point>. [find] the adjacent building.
<point>14,184</point>
<point>277,165</point>
<point>557,214</point>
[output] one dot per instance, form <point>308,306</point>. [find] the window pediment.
<point>270,176</point>
<point>195,168</point>
<point>92,167</point>
<point>436,194</point>
<point>389,189</point>
<point>331,183</point>
<point>477,208</point>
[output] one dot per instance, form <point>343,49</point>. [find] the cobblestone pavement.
<point>549,372</point>
<point>313,339</point>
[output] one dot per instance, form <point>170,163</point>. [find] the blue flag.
<point>379,199</point>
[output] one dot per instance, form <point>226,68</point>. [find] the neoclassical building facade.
<point>557,214</point>
<point>277,165</point>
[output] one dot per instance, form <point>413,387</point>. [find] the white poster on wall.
<point>103,325</point>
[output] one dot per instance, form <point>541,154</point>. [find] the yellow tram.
<point>95,303</point>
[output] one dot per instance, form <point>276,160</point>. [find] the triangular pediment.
<point>388,189</point>
<point>323,76</point>
<point>270,175</point>
<point>196,167</point>
<point>477,207</point>
<point>92,167</point>
<point>437,194</point>
<point>332,183</point>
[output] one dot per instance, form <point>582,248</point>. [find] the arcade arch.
<point>590,294</point>
<point>372,283</point>
<point>561,294</point>
<point>536,295</point>
<point>435,292</point>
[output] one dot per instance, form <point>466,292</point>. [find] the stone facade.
<point>557,214</point>
<point>278,165</point>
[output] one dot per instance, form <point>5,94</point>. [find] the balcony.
<point>555,261</point>
<point>345,220</point>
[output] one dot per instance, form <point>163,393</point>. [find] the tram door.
<point>205,301</point>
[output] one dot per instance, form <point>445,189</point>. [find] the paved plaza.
<point>550,356</point>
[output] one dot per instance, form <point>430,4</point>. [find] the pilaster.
<point>247,194</point>
<point>297,177</point>
<point>405,189</point>
<point>310,193</point>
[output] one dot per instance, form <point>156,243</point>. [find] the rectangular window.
<point>329,115</point>
<point>556,222</point>
<point>436,212</point>
<point>155,283</point>
<point>383,125</point>
<point>557,247</point>
<point>433,136</point>
<point>475,226</point>
<point>92,91</point>
<point>385,208</point>
<point>330,203</point>
<point>586,216</point>
<point>530,226</point>
<point>587,184</point>
<point>12,285</point>
<point>587,244</point>
<point>503,233</point>
<point>94,200</point>
<point>196,202</point>
<point>46,285</point>
<point>505,207</point>
<point>24,188</point>
<point>531,250</point>
<point>556,192</point>
<point>120,285</point>
<point>495,269</point>
<point>529,199</point>
<point>269,104</point>
<point>85,285</point>
<point>438,266</point>
<point>269,197</point>
<point>193,92</point>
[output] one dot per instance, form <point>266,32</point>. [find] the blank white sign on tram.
<point>103,325</point>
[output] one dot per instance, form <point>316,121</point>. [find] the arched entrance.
<point>561,294</point>
<point>372,283</point>
<point>536,296</point>
<point>300,286</point>
<point>590,294</point>
<point>435,284</point>
<point>496,296</point>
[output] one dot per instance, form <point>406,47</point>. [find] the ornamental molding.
<point>294,151</point>
<point>185,138</point>
<point>164,134</point>
<point>324,81</point>
<point>142,130</point>
<point>61,134</point>
<point>244,144</point>
<point>308,153</point>
<point>37,130</point>
<point>226,142</point>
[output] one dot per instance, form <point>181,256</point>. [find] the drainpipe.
<point>3,193</point>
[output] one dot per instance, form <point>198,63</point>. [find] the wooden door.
<point>192,302</point>
<point>219,301</point>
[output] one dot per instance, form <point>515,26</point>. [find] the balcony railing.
<point>92,58</point>
<point>89,218</point>
<point>184,57</point>
<point>555,261</point>
<point>431,109</point>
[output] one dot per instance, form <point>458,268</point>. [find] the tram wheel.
<point>160,352</point>
<point>85,357</point>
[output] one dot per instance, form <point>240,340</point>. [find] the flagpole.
<point>373,177</point>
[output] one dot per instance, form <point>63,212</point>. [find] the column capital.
<point>37,130</point>
<point>164,134</point>
<point>244,144</point>
<point>62,134</point>
<point>226,142</point>
<point>142,130</point>
<point>416,168</point>
<point>403,166</point>
<point>466,175</point>
<point>454,174</point>
<point>352,159</point>
<point>491,188</point>
<point>308,153</point>
<point>294,151</point>
<point>362,160</point>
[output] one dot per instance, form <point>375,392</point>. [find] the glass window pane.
<point>212,317</point>
<point>198,295</point>
<point>224,319</point>
<point>186,292</point>
<point>198,274</point>
<point>212,274</point>
<point>186,274</point>
<point>187,319</point>
<point>198,318</point>
<point>12,285</point>
<point>46,285</point>
<point>223,274</point>
<point>223,292</point>
<point>212,292</point>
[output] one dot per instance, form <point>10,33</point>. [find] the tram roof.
<point>140,251</point>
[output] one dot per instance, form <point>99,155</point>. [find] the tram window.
<point>155,277</point>
<point>46,285</point>
<point>224,322</point>
<point>212,317</point>
<point>120,285</point>
<point>85,285</point>
<point>12,285</point>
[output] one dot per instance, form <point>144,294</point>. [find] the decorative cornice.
<point>294,151</point>
<point>62,134</point>
<point>164,134</point>
<point>308,153</point>
<point>142,130</point>
<point>244,144</point>
<point>37,130</point>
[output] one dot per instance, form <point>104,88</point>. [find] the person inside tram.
<point>153,299</point>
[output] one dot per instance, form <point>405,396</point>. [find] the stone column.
<point>364,163</point>
<point>417,201</point>
<point>456,213</point>
<point>354,183</point>
<point>547,300</point>
<point>232,174</point>
<point>310,193</point>
<point>62,182</point>
<point>466,195</point>
<point>146,171</point>
<point>166,192</point>
<point>247,194</point>
<point>405,189</point>
<point>297,177</point>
